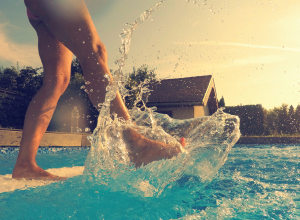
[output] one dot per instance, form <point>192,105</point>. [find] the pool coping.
<point>269,140</point>
<point>12,138</point>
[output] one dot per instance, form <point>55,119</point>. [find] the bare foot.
<point>144,151</point>
<point>33,171</point>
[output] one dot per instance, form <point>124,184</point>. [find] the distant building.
<point>184,98</point>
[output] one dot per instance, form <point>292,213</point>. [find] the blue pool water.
<point>256,182</point>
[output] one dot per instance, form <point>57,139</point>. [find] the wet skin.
<point>61,33</point>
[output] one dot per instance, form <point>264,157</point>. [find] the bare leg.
<point>69,21</point>
<point>40,111</point>
<point>68,28</point>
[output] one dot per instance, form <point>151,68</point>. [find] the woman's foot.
<point>144,151</point>
<point>33,171</point>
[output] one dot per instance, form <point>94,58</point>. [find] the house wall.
<point>200,111</point>
<point>178,112</point>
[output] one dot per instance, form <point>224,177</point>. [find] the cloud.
<point>13,52</point>
<point>258,60</point>
<point>212,43</point>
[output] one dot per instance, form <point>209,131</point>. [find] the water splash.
<point>209,140</point>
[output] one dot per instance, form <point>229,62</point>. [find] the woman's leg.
<point>70,22</point>
<point>71,29</point>
<point>56,59</point>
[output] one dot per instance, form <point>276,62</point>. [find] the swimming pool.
<point>256,182</point>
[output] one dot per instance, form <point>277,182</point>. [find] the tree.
<point>221,103</point>
<point>283,119</point>
<point>272,121</point>
<point>8,79</point>
<point>291,128</point>
<point>76,68</point>
<point>24,85</point>
<point>297,119</point>
<point>134,84</point>
<point>251,118</point>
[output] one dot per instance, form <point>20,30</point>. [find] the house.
<point>184,98</point>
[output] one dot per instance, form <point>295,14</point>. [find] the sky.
<point>252,48</point>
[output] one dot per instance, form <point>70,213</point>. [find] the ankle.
<point>25,163</point>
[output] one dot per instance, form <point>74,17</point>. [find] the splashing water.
<point>209,140</point>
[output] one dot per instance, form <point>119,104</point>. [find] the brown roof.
<point>182,90</point>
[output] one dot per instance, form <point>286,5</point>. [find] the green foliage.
<point>291,125</point>
<point>279,121</point>
<point>221,103</point>
<point>24,84</point>
<point>251,118</point>
<point>134,84</point>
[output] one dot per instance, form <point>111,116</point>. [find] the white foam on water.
<point>8,184</point>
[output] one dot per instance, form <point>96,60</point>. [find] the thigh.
<point>56,58</point>
<point>68,21</point>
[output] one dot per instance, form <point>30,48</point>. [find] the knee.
<point>99,55</point>
<point>101,51</point>
<point>58,84</point>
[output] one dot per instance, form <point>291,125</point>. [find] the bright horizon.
<point>251,49</point>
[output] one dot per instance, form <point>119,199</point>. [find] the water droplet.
<point>88,116</point>
<point>87,129</point>
<point>98,63</point>
<point>91,90</point>
<point>91,122</point>
<point>152,19</point>
<point>79,29</point>
<point>87,82</point>
<point>83,42</point>
<point>82,87</point>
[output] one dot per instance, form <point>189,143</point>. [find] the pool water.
<point>256,182</point>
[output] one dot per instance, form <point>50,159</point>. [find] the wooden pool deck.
<point>12,138</point>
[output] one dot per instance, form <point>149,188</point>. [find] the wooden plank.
<point>50,139</point>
